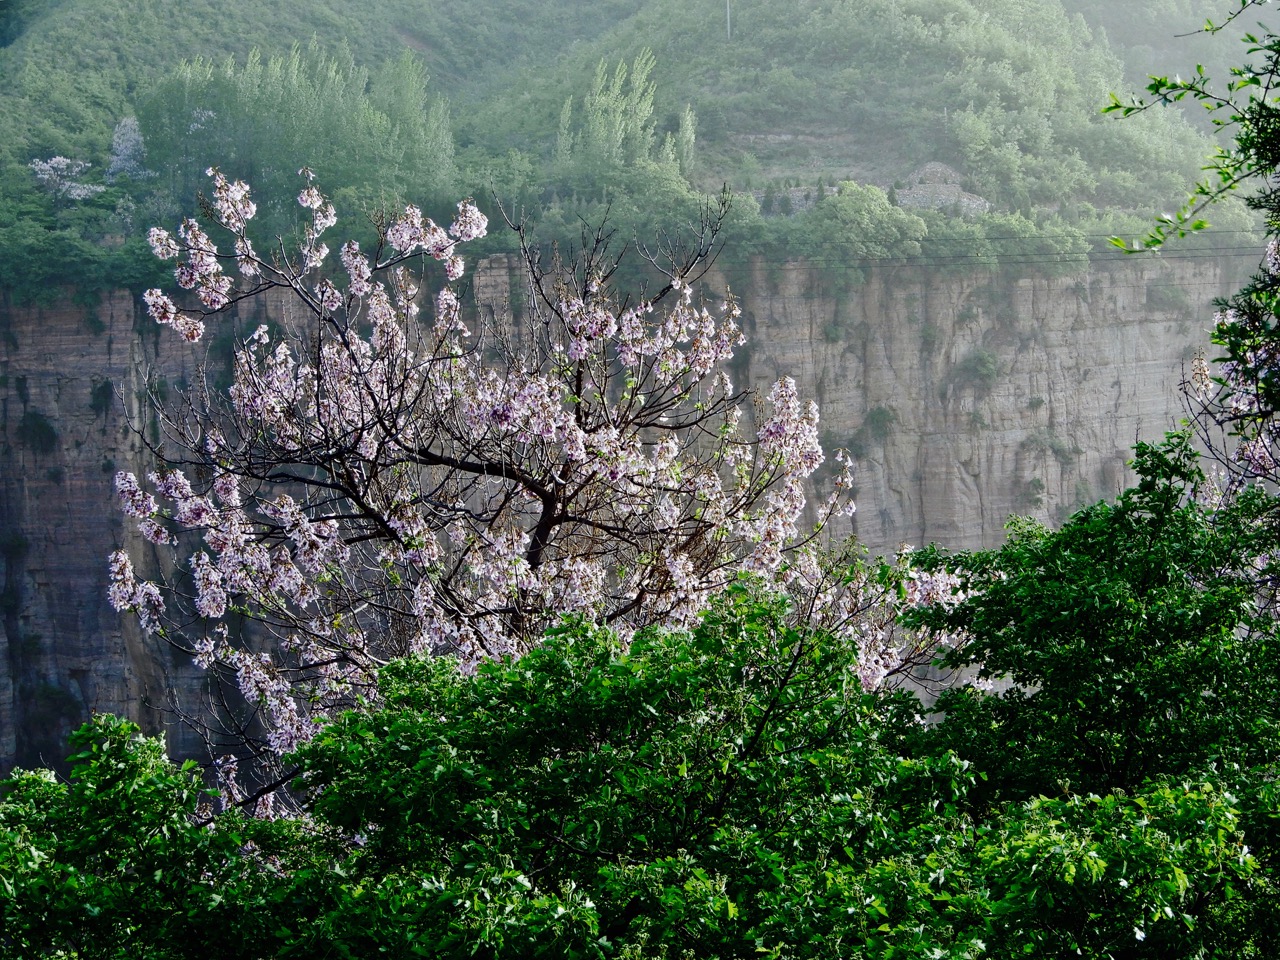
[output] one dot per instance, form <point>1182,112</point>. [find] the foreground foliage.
<point>724,785</point>
<point>1136,641</point>
<point>733,791</point>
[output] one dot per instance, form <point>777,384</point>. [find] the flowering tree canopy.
<point>377,482</point>
<point>128,152</point>
<point>60,176</point>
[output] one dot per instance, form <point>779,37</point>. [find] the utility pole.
<point>728,24</point>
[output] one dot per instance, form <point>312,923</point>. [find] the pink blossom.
<point>1256,456</point>
<point>470,224</point>
<point>449,313</point>
<point>134,501</point>
<point>246,258</point>
<point>126,592</point>
<point>159,307</point>
<point>314,251</point>
<point>325,217</point>
<point>231,201</point>
<point>227,489</point>
<point>172,484</point>
<point>211,599</point>
<point>358,269</point>
<point>123,586</point>
<point>162,244</point>
<point>328,296</point>
<point>311,198</point>
<point>790,434</point>
<point>406,233</point>
<point>155,533</point>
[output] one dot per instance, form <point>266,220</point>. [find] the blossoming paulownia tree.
<point>377,483</point>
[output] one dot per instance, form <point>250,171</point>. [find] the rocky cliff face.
<point>970,398</point>
<point>71,374</point>
<point>965,398</point>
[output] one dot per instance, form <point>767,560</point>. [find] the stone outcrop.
<point>965,398</point>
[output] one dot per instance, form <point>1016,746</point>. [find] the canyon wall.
<point>972,397</point>
<point>965,398</point>
<point>72,377</point>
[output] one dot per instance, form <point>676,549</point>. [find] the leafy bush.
<point>1043,441</point>
<point>102,397</point>
<point>1132,639</point>
<point>979,370</point>
<point>116,862</point>
<point>723,792</point>
<point>879,422</point>
<point>1168,296</point>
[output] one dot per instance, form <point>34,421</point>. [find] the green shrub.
<point>1047,442</point>
<point>979,370</point>
<point>1032,493</point>
<point>1167,297</point>
<point>14,546</point>
<point>930,337</point>
<point>878,423</point>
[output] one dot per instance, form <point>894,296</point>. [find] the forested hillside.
<point>563,110</point>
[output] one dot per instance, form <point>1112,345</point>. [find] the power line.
<point>1022,237</point>
<point>1029,257</point>
<point>1199,290</point>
